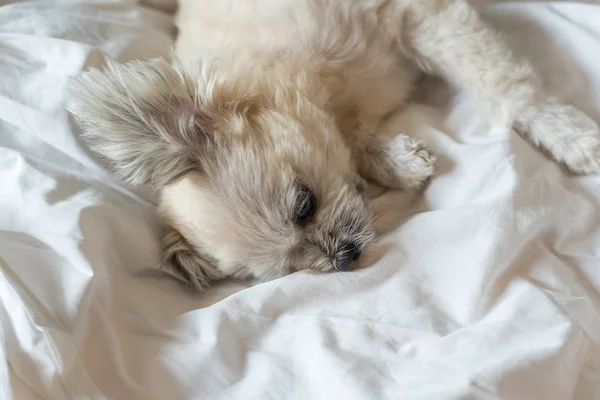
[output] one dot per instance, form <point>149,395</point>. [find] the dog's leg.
<point>448,37</point>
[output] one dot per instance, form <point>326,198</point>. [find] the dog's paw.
<point>583,156</point>
<point>413,163</point>
<point>580,149</point>
<point>398,162</point>
<point>571,137</point>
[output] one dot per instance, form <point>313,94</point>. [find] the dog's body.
<point>259,138</point>
<point>339,47</point>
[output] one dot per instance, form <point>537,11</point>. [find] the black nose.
<point>348,256</point>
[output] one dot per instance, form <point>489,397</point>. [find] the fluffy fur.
<point>271,98</point>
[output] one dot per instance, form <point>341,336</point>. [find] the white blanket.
<point>486,286</point>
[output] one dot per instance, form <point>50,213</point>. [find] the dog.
<point>261,132</point>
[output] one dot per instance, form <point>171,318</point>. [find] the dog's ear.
<point>186,263</point>
<point>146,118</point>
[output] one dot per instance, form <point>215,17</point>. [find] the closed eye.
<point>306,206</point>
<point>361,187</point>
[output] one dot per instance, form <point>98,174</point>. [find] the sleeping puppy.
<point>260,136</point>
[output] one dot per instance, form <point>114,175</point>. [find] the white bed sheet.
<point>489,288</point>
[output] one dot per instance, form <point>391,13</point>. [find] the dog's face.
<point>251,186</point>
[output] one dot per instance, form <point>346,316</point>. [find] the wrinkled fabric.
<point>484,286</point>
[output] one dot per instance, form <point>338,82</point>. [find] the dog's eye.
<point>306,205</point>
<point>361,187</point>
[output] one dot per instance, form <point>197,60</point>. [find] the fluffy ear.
<point>184,262</point>
<point>146,118</point>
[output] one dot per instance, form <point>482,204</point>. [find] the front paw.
<point>582,157</point>
<point>580,151</point>
<point>571,137</point>
<point>398,162</point>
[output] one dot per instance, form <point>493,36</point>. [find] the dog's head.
<point>255,179</point>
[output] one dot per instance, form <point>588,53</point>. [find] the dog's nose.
<point>350,254</point>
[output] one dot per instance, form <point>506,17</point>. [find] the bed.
<point>484,286</point>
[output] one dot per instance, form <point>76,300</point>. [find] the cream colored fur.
<point>271,96</point>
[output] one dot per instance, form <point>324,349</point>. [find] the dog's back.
<point>340,43</point>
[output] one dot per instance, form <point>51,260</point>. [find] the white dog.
<point>259,137</point>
